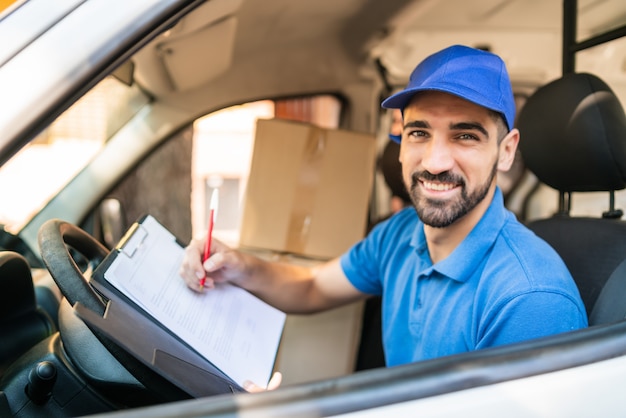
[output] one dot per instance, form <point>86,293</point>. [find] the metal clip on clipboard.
<point>132,240</point>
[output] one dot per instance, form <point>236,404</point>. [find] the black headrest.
<point>573,135</point>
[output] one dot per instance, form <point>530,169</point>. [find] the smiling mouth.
<point>439,187</point>
<point>436,183</point>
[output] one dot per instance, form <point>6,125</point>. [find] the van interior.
<point>194,90</point>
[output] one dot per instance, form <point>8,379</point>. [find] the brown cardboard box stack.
<point>306,201</point>
<point>308,189</point>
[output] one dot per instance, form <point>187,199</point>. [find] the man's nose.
<point>437,156</point>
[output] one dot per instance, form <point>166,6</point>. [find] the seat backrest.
<point>573,138</point>
<point>22,323</point>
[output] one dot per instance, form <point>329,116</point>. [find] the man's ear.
<point>507,149</point>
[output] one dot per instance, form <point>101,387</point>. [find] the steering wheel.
<point>56,237</point>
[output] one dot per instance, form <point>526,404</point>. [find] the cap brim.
<point>400,99</point>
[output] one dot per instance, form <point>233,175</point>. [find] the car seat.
<point>573,138</point>
<point>22,322</point>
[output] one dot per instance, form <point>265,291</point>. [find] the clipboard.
<point>130,325</point>
<point>157,348</point>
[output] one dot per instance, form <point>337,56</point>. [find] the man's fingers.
<point>275,381</point>
<point>252,387</point>
<point>273,384</point>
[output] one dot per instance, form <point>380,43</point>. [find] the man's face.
<point>450,156</point>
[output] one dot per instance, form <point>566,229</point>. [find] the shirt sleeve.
<point>361,264</point>
<point>531,315</point>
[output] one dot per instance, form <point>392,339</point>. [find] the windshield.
<point>46,164</point>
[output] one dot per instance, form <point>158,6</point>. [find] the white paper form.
<point>230,327</point>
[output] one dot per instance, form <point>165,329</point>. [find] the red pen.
<point>207,245</point>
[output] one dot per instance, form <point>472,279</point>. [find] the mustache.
<point>445,177</point>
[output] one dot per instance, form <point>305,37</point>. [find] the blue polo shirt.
<point>502,284</point>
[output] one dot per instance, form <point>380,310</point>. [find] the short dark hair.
<point>501,125</point>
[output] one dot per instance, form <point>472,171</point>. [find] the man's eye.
<point>468,136</point>
<point>417,134</point>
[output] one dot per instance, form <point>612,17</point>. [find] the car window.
<point>223,145</point>
<point>44,166</point>
<point>175,183</point>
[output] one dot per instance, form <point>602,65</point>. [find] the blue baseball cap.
<point>472,74</point>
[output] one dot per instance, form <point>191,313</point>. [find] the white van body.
<point>186,60</point>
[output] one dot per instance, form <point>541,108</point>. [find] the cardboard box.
<point>308,190</point>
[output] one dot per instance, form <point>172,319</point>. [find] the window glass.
<point>44,166</point>
<point>223,143</point>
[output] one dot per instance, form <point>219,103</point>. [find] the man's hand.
<point>224,265</point>
<point>274,383</point>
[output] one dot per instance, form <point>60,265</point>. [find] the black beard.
<point>440,214</point>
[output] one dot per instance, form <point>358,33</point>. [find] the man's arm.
<point>290,288</point>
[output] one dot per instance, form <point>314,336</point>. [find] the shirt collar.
<point>465,258</point>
